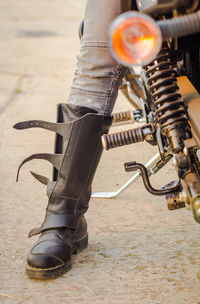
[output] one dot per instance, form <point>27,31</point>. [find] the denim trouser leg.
<point>98,75</point>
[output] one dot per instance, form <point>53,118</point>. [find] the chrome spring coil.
<point>167,101</point>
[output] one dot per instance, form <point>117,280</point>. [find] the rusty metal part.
<point>128,137</point>
<point>174,201</point>
<point>177,199</point>
<point>192,99</point>
<point>167,101</point>
<point>133,166</point>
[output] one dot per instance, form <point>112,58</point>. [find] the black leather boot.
<point>64,230</point>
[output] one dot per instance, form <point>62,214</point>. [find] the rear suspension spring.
<point>167,101</point>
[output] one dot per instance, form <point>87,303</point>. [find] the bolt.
<point>149,137</point>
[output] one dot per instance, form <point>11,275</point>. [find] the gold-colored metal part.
<point>191,185</point>
<point>149,137</point>
<point>196,208</point>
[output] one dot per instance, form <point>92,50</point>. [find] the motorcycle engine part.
<point>160,6</point>
<point>128,137</point>
<point>134,38</point>
<point>175,200</point>
<point>167,101</point>
<point>133,166</point>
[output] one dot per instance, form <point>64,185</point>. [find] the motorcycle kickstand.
<point>149,165</point>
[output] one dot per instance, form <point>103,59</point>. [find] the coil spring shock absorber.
<point>167,101</point>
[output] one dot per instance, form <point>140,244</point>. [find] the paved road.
<point>139,253</point>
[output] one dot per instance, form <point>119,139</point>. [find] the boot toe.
<point>49,254</point>
<point>43,261</point>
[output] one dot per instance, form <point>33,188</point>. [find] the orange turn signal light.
<point>134,39</point>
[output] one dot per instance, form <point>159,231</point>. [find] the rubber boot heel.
<point>81,245</point>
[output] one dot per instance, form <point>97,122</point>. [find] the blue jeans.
<point>97,76</point>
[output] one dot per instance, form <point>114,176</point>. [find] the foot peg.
<point>123,116</point>
<point>127,137</point>
<point>127,117</point>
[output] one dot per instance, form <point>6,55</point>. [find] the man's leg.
<point>92,97</point>
<point>98,75</point>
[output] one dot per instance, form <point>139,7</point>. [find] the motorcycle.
<point>159,42</point>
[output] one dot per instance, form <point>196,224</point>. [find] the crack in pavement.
<point>13,95</point>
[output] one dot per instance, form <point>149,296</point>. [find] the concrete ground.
<point>139,252</point>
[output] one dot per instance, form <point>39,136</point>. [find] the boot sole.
<point>51,273</point>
